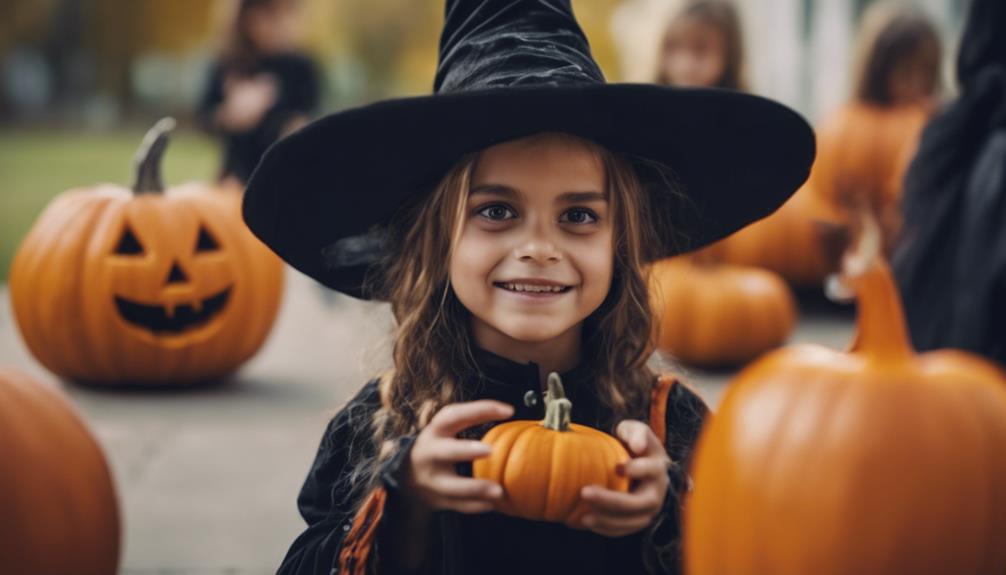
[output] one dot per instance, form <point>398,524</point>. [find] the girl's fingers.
<point>615,526</point>
<point>623,504</point>
<point>455,417</point>
<point>639,438</point>
<point>469,505</point>
<point>643,468</point>
<point>456,487</point>
<point>453,450</point>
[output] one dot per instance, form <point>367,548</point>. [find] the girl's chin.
<point>534,333</point>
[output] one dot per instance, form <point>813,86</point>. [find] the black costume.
<point>463,544</point>
<point>297,95</point>
<point>951,262</point>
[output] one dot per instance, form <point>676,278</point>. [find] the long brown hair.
<point>721,15</point>
<point>890,35</point>
<point>432,342</point>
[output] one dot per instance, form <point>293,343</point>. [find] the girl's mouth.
<point>533,290</point>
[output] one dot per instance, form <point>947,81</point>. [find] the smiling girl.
<point>512,238</point>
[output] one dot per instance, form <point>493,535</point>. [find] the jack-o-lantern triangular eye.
<point>128,244</point>
<point>205,242</point>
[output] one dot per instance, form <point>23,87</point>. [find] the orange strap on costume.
<point>658,406</point>
<point>359,541</point>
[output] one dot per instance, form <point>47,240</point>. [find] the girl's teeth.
<point>533,288</point>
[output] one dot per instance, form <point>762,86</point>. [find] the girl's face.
<point>535,253</point>
<point>694,54</point>
<point>914,80</point>
<point>272,28</point>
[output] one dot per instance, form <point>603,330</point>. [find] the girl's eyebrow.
<point>512,193</point>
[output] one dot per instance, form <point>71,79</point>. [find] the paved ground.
<point>208,478</point>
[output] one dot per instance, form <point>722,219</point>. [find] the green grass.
<point>36,165</point>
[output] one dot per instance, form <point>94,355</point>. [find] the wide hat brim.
<point>736,157</point>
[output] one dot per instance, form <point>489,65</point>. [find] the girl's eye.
<point>497,212</point>
<point>579,216</point>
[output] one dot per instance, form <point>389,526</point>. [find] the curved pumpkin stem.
<point>557,407</point>
<point>148,158</point>
<point>880,332</point>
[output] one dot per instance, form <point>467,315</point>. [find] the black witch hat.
<point>509,69</point>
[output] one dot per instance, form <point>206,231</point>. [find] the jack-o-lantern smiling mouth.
<point>162,320</point>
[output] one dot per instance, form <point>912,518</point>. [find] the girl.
<point>261,89</point>
<point>703,47</point>
<point>865,146</point>
<point>511,237</point>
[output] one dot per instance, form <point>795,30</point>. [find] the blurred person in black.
<point>951,264</point>
<point>261,88</point>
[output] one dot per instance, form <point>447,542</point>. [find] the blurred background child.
<point>865,145</point>
<point>261,88</point>
<point>703,47</point>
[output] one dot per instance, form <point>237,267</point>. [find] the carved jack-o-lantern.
<point>145,285</point>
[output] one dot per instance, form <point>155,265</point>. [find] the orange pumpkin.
<point>543,465</point>
<point>789,242</point>
<point>59,509</point>
<point>719,314</point>
<point>145,286</point>
<point>876,461</point>
<point>863,153</point>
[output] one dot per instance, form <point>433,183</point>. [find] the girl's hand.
<point>613,513</point>
<point>432,479</point>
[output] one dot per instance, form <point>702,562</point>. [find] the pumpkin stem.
<point>880,331</point>
<point>557,407</point>
<point>148,158</point>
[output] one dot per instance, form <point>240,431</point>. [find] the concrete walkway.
<point>208,478</point>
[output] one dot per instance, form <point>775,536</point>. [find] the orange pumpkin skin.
<point>719,314</point>
<point>788,242</point>
<point>60,513</point>
<point>877,461</point>
<point>161,288</point>
<point>543,470</point>
<point>863,154</point>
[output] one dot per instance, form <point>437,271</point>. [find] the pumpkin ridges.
<point>522,472</point>
<point>105,346</point>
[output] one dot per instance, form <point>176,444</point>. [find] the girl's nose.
<point>538,249</point>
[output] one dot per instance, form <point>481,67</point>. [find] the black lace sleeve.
<point>662,543</point>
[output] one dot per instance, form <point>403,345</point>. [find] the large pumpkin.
<point>145,286</point>
<point>875,462</point>
<point>543,465</point>
<point>58,508</point>
<point>790,242</point>
<point>718,315</point>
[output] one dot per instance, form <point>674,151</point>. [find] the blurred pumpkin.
<point>543,465</point>
<point>863,154</point>
<point>144,286</point>
<point>876,461</point>
<point>715,315</point>
<point>789,242</point>
<point>60,512</point>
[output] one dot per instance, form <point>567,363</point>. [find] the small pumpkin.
<point>144,286</point>
<point>876,461</point>
<point>717,315</point>
<point>59,508</point>
<point>543,465</point>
